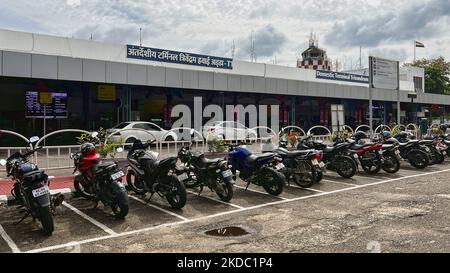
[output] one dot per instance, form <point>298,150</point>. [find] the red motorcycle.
<point>100,181</point>
<point>85,160</point>
<point>369,154</point>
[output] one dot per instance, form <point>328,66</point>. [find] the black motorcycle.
<point>146,174</point>
<point>337,157</point>
<point>417,155</point>
<point>31,189</point>
<point>304,167</point>
<point>198,171</point>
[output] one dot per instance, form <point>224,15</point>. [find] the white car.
<point>130,134</point>
<point>228,130</point>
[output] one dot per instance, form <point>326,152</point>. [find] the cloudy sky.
<point>281,27</point>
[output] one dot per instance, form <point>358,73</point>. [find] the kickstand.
<point>95,204</point>
<point>201,190</point>
<point>150,198</point>
<point>248,185</point>
<point>23,218</point>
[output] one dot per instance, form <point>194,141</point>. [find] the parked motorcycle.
<point>337,157</point>
<point>369,154</point>
<point>147,174</point>
<point>262,170</point>
<point>31,188</point>
<point>198,171</point>
<point>100,181</point>
<point>304,167</point>
<point>417,155</point>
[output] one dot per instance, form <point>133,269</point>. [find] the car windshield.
<point>122,125</point>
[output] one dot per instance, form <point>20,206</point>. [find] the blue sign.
<point>339,76</point>
<point>169,56</point>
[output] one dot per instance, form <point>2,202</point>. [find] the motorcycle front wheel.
<point>83,188</point>
<point>177,196</point>
<point>227,193</point>
<point>391,164</point>
<point>135,182</point>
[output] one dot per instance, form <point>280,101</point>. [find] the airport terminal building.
<point>95,84</point>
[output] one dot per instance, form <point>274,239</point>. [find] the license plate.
<point>227,173</point>
<point>315,162</point>
<point>183,177</point>
<point>279,166</point>
<point>40,192</point>
<point>117,175</point>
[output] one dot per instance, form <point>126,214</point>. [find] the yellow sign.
<point>106,92</point>
<point>45,98</point>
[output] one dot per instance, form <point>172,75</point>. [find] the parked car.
<point>129,136</point>
<point>228,130</point>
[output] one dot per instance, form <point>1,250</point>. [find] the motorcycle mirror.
<point>94,134</point>
<point>3,162</point>
<point>71,156</point>
<point>119,150</point>
<point>34,139</point>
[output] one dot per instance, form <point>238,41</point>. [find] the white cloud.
<point>281,27</point>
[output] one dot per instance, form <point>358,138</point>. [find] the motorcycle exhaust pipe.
<point>58,199</point>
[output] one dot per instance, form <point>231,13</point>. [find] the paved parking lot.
<point>349,215</point>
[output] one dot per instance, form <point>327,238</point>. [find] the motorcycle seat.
<point>358,146</point>
<point>256,158</point>
<point>295,154</point>
<point>211,161</point>
<point>34,176</point>
<point>329,149</point>
<point>105,166</point>
<point>426,142</point>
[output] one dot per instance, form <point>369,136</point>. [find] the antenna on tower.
<point>140,36</point>
<point>360,57</point>
<point>252,48</point>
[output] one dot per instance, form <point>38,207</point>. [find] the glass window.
<point>141,126</point>
<point>122,125</point>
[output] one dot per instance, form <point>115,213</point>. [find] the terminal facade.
<point>96,84</point>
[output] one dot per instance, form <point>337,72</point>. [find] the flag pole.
<point>414,51</point>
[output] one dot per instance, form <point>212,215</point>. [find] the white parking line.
<point>231,212</point>
<point>9,241</point>
<point>368,177</point>
<point>216,200</point>
<point>90,219</point>
<point>338,182</point>
<point>261,192</point>
<point>305,189</point>
<point>158,208</point>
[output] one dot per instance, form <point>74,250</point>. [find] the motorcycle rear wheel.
<point>46,218</point>
<point>345,167</point>
<point>418,160</point>
<point>273,182</point>
<point>311,176</point>
<point>372,164</point>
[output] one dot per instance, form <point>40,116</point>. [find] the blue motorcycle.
<point>263,170</point>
